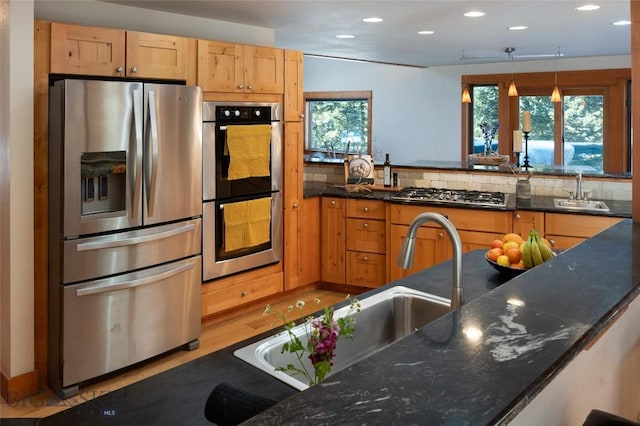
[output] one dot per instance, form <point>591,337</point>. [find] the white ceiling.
<point>311,26</point>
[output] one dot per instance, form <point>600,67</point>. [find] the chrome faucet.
<point>579,194</point>
<point>405,259</point>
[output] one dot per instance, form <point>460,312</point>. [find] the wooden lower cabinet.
<point>366,269</point>
<point>524,221</point>
<point>566,230</point>
<point>333,244</point>
<point>476,228</point>
<point>366,243</point>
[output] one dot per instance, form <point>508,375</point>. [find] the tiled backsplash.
<point>600,188</point>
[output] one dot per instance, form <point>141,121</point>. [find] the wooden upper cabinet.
<point>237,68</point>
<point>293,86</point>
<point>77,49</point>
<point>156,56</point>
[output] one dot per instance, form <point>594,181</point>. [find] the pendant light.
<point>466,96</point>
<point>555,95</point>
<point>513,91</point>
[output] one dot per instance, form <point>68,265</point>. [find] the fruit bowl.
<point>505,270</point>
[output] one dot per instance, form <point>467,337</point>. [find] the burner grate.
<point>453,196</point>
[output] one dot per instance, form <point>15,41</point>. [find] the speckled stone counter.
<point>617,208</point>
<point>532,327</point>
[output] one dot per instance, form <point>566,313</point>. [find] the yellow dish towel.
<point>247,223</point>
<point>249,151</point>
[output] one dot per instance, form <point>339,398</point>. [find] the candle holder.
<point>517,153</point>
<point>526,150</point>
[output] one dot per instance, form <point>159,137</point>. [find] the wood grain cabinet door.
<point>293,86</point>
<point>264,70</point>
<point>77,49</point>
<point>220,66</point>
<point>333,242</point>
<point>156,56</point>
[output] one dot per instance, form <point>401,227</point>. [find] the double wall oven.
<point>242,179</point>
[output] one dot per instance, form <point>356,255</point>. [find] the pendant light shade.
<point>513,90</point>
<point>555,95</point>
<point>466,96</point>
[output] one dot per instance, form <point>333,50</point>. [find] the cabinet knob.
<point>244,293</point>
<point>366,209</point>
<point>134,70</point>
<point>250,87</point>
<point>240,86</point>
<point>333,202</point>
<point>552,242</point>
<point>366,225</point>
<point>295,205</point>
<point>301,115</point>
<point>518,216</point>
<point>365,258</point>
<point>440,235</point>
<point>119,70</point>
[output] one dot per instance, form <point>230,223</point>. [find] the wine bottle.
<point>386,167</point>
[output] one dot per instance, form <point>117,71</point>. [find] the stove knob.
<point>237,113</point>
<point>227,113</point>
<point>257,113</point>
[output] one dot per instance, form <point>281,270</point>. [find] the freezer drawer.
<point>90,258</point>
<point>112,323</point>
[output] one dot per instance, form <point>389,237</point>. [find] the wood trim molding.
<point>20,387</point>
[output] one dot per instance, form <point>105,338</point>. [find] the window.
<point>485,111</point>
<point>338,123</point>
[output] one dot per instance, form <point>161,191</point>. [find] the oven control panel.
<point>243,114</point>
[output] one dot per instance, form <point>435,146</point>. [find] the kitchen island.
<point>531,328</point>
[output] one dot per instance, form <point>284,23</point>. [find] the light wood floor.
<point>216,334</point>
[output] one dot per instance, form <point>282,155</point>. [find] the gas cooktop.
<point>451,196</point>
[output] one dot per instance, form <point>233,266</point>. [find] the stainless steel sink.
<point>383,318</point>
<point>580,204</point>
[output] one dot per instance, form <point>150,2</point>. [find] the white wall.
<point>417,111</point>
<point>16,187</point>
<point>100,14</point>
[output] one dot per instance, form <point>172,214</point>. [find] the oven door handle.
<point>136,240</point>
<point>105,288</point>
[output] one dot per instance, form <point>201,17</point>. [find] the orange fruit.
<point>518,265</point>
<point>503,260</point>
<point>496,244</point>
<point>494,253</point>
<point>512,237</point>
<point>514,254</point>
<point>510,244</point>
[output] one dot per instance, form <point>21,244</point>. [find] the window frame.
<point>615,82</point>
<point>337,95</point>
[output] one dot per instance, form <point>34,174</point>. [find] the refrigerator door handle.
<point>104,288</point>
<point>153,135</point>
<point>137,148</point>
<point>99,245</point>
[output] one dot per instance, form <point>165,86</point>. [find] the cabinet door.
<point>365,269</point>
<point>524,221</point>
<point>220,66</point>
<point>333,241</point>
<point>293,140</point>
<point>77,49</point>
<point>293,91</point>
<point>156,56</point>
<point>430,249</point>
<point>264,70</point>
<point>366,235</point>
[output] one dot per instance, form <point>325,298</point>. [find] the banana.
<point>526,255</point>
<point>545,251</point>
<point>536,256</point>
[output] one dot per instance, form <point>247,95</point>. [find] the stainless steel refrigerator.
<point>125,211</point>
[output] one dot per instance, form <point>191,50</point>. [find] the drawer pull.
<point>440,235</point>
<point>366,209</point>
<point>333,202</point>
<point>518,216</point>
<point>366,225</point>
<point>365,258</point>
<point>244,293</point>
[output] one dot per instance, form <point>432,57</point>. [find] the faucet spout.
<point>579,194</point>
<point>405,259</point>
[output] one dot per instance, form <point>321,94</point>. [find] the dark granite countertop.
<point>532,327</point>
<point>617,208</point>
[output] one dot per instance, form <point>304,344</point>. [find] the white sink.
<point>564,203</point>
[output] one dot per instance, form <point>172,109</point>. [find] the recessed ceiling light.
<point>588,7</point>
<point>621,23</point>
<point>474,14</point>
<point>345,36</point>
<point>427,32</point>
<point>372,19</point>
<point>518,28</point>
